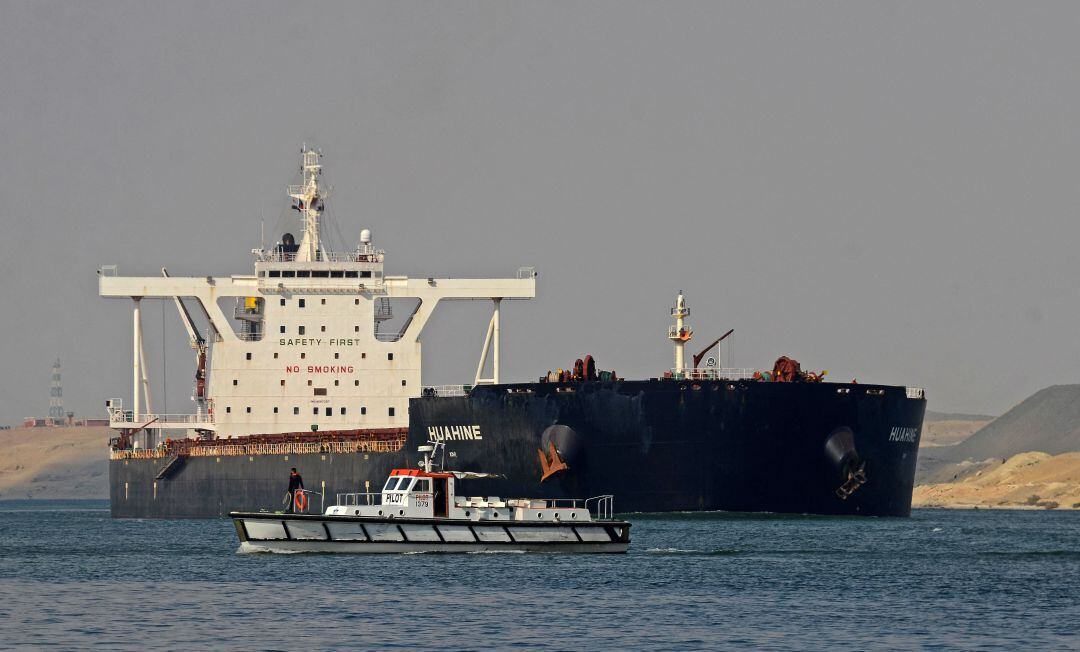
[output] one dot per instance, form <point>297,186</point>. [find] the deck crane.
<point>698,357</point>
<point>201,347</point>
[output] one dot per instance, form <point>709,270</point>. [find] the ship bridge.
<point>310,350</point>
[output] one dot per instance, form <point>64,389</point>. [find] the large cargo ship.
<point>311,362</point>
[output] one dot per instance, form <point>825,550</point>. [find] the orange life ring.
<point>300,501</point>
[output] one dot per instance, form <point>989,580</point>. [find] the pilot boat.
<point>419,510</point>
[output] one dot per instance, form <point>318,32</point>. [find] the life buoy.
<point>300,501</point>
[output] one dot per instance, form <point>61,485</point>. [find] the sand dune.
<point>54,463</point>
<point>1026,480</point>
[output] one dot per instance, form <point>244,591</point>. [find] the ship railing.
<point>364,255</point>
<point>446,390</point>
<point>118,417</point>
<point>284,448</point>
<point>603,507</point>
<point>358,499</point>
<point>713,373</point>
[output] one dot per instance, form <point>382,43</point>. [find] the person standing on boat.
<point>296,482</point>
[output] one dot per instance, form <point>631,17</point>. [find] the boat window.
<point>405,482</point>
<point>422,486</point>
<point>303,273</point>
<point>391,482</point>
<point>320,273</point>
<point>275,273</point>
<point>350,274</point>
<point>287,273</point>
<point>365,274</point>
<point>336,273</point>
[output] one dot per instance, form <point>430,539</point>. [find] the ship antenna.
<point>309,197</point>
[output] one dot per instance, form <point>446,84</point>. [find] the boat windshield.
<point>422,486</point>
<point>391,482</point>
<point>405,482</point>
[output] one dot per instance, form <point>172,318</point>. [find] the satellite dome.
<point>365,236</point>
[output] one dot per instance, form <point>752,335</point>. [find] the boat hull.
<point>263,532</point>
<point>656,445</point>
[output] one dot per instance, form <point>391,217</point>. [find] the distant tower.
<point>56,396</point>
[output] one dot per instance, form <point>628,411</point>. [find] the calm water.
<point>74,578</point>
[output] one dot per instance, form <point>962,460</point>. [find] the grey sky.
<point>884,190</point>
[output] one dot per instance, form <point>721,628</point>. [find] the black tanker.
<point>657,445</point>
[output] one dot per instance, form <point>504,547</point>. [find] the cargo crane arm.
<point>698,357</point>
<point>198,343</point>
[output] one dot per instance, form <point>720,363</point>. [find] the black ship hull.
<point>657,445</point>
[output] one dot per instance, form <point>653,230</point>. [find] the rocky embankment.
<point>54,463</point>
<point>1023,481</point>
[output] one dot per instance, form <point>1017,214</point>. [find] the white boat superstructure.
<point>419,510</point>
<point>309,341</point>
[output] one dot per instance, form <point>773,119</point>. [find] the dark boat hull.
<point>657,445</point>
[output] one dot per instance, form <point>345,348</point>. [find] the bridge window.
<point>303,273</point>
<point>350,274</point>
<point>287,273</point>
<point>365,274</point>
<point>275,273</point>
<point>336,274</point>
<point>320,274</point>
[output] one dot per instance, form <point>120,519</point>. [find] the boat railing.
<point>358,499</point>
<point>713,373</point>
<point>603,507</point>
<point>364,255</point>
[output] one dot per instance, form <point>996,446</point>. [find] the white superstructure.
<point>298,346</point>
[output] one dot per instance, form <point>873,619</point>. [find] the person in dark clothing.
<point>296,482</point>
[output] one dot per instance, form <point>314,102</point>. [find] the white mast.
<point>309,197</point>
<point>680,333</point>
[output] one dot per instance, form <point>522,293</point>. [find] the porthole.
<point>539,515</point>
<point>466,512</point>
<point>380,512</point>
<point>496,515</point>
<point>401,512</point>
<point>358,512</point>
<point>556,515</point>
<point>573,515</point>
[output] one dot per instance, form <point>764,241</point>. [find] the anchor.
<point>550,467</point>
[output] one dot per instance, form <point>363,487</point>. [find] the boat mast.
<point>680,333</point>
<point>309,197</point>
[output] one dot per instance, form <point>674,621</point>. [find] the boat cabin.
<point>416,493</point>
